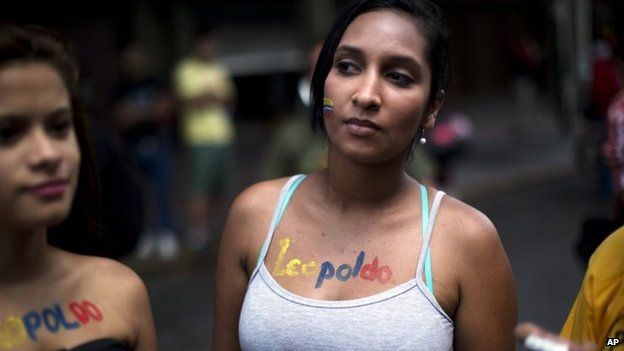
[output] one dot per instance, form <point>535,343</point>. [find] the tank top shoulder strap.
<point>287,190</point>
<point>428,222</point>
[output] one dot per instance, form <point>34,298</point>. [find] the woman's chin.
<point>369,155</point>
<point>48,218</point>
<point>56,218</point>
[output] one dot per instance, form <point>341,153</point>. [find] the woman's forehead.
<point>31,88</point>
<point>386,30</point>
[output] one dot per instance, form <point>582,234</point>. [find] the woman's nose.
<point>368,95</point>
<point>44,151</point>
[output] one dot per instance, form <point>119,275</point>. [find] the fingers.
<point>538,339</point>
<point>523,330</point>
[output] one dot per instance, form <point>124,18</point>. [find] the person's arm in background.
<point>126,114</point>
<point>221,92</point>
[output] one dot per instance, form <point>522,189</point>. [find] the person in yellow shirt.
<point>207,96</point>
<point>597,316</point>
<point>598,311</point>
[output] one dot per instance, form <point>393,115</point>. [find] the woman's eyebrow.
<point>405,61</point>
<point>61,112</point>
<point>13,116</point>
<point>400,60</point>
<point>347,49</point>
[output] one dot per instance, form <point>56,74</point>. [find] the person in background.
<point>359,255</point>
<point>293,148</point>
<point>613,150</point>
<point>525,62</point>
<point>207,97</point>
<point>606,81</point>
<point>595,230</point>
<point>51,299</point>
<point>142,112</point>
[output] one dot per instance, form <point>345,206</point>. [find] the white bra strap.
<point>425,258</point>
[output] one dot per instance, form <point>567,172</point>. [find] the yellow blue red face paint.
<point>16,330</point>
<point>328,105</point>
<point>370,271</point>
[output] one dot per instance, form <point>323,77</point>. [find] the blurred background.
<point>520,136</point>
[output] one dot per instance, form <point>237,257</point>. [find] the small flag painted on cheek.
<point>328,105</point>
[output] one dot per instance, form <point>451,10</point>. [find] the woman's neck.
<point>352,184</point>
<point>24,255</point>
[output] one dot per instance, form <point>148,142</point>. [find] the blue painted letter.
<point>327,272</point>
<point>358,264</point>
<point>341,269</point>
<point>51,320</point>
<point>61,315</point>
<point>32,322</point>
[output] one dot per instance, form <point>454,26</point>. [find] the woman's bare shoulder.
<point>117,292</point>
<point>103,274</point>
<point>260,196</point>
<point>467,228</point>
<point>253,208</point>
<point>249,219</point>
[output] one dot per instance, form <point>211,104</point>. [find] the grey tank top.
<point>405,317</point>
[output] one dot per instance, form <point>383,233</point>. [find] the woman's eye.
<point>346,67</point>
<point>400,79</point>
<point>10,132</point>
<point>60,127</point>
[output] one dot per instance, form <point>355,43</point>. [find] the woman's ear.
<point>433,110</point>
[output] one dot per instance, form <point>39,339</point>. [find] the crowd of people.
<point>348,244</point>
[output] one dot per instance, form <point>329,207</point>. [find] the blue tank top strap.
<point>428,220</point>
<point>285,195</point>
<point>424,204</point>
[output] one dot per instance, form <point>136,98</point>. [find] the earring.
<point>423,140</point>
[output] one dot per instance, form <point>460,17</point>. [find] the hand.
<point>523,330</point>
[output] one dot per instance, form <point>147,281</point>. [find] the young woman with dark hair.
<point>359,256</point>
<point>52,299</point>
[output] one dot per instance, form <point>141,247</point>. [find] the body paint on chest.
<point>15,330</point>
<point>294,266</point>
<point>370,271</point>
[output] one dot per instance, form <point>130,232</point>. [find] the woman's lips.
<point>49,190</point>
<point>361,127</point>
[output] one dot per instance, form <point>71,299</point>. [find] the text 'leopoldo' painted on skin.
<point>15,330</point>
<point>294,267</point>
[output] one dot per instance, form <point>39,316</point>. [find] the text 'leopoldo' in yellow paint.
<point>294,266</point>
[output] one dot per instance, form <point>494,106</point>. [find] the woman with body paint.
<point>51,299</point>
<point>359,256</point>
